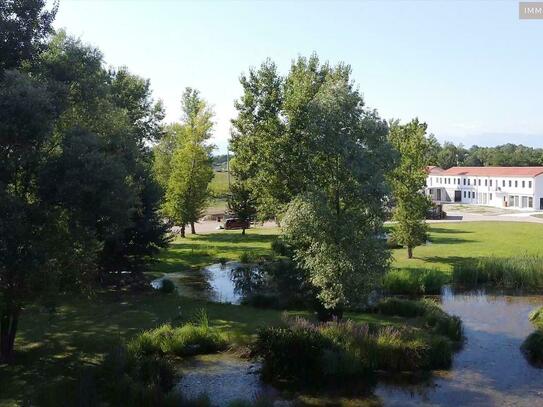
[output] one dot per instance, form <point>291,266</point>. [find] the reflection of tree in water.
<point>249,279</point>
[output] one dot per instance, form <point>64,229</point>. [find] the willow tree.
<point>408,180</point>
<point>191,171</point>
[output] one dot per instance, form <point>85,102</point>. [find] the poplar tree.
<point>408,180</point>
<point>191,171</point>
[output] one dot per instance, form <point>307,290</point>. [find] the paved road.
<point>477,217</point>
<point>209,226</point>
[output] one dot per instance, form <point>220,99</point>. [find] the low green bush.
<point>291,354</point>
<point>189,339</point>
<point>247,257</point>
<point>431,314</point>
<point>524,272</point>
<point>532,347</point>
<point>167,286</point>
<point>401,308</point>
<point>536,316</point>
<point>306,353</point>
<point>415,281</point>
<point>138,380</point>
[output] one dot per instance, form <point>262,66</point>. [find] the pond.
<point>489,370</point>
<point>222,282</point>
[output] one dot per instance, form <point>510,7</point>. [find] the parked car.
<point>236,223</point>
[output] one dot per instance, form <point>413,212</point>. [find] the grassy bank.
<point>197,251</point>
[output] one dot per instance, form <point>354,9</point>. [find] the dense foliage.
<point>183,163</point>
<point>77,196</point>
<point>509,155</point>
<point>408,180</point>
<point>307,353</point>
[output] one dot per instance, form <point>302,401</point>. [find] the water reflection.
<point>490,369</point>
<point>229,282</point>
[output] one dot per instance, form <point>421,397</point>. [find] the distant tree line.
<point>449,155</point>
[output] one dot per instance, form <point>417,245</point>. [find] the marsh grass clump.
<point>532,348</point>
<point>415,281</point>
<point>189,339</point>
<point>131,379</point>
<point>522,272</point>
<point>536,316</point>
<point>431,315</point>
<point>304,351</point>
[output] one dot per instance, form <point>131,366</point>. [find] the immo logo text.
<point>528,10</point>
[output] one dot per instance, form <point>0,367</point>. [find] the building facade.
<point>502,187</point>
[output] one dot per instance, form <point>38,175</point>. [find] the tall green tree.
<point>334,209</point>
<point>76,192</point>
<point>408,180</point>
<point>191,171</point>
<point>241,202</point>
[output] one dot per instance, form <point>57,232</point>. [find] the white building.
<point>503,187</point>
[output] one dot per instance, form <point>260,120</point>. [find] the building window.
<point>530,202</point>
<point>490,197</point>
<point>486,183</point>
<point>503,183</point>
<point>529,185</point>
<point>516,184</point>
<point>479,182</point>
<point>523,184</point>
<point>464,194</point>
<point>469,181</point>
<point>490,182</point>
<point>524,201</point>
<point>510,183</point>
<point>464,181</point>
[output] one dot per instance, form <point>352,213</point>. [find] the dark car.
<point>236,223</point>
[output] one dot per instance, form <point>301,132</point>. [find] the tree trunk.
<point>183,231</point>
<point>8,329</point>
<point>243,231</point>
<point>192,229</point>
<point>409,252</point>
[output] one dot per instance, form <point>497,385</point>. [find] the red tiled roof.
<point>432,169</point>
<point>494,171</point>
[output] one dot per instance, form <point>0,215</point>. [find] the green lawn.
<point>219,184</point>
<point>453,242</point>
<point>197,251</point>
<point>51,348</point>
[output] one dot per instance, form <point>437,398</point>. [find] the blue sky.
<point>471,70</point>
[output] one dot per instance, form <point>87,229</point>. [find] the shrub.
<point>189,339</point>
<point>138,380</point>
<point>280,248</point>
<point>415,281</point>
<point>525,272</point>
<point>533,348</point>
<point>291,354</point>
<point>247,257</point>
<point>401,308</point>
<point>167,286</point>
<point>306,352</point>
<point>536,316</point>
<point>432,315</point>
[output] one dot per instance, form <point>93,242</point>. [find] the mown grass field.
<point>51,348</point>
<point>219,184</point>
<point>451,243</point>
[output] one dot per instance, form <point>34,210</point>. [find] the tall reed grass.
<point>415,281</point>
<point>306,352</point>
<point>524,272</point>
